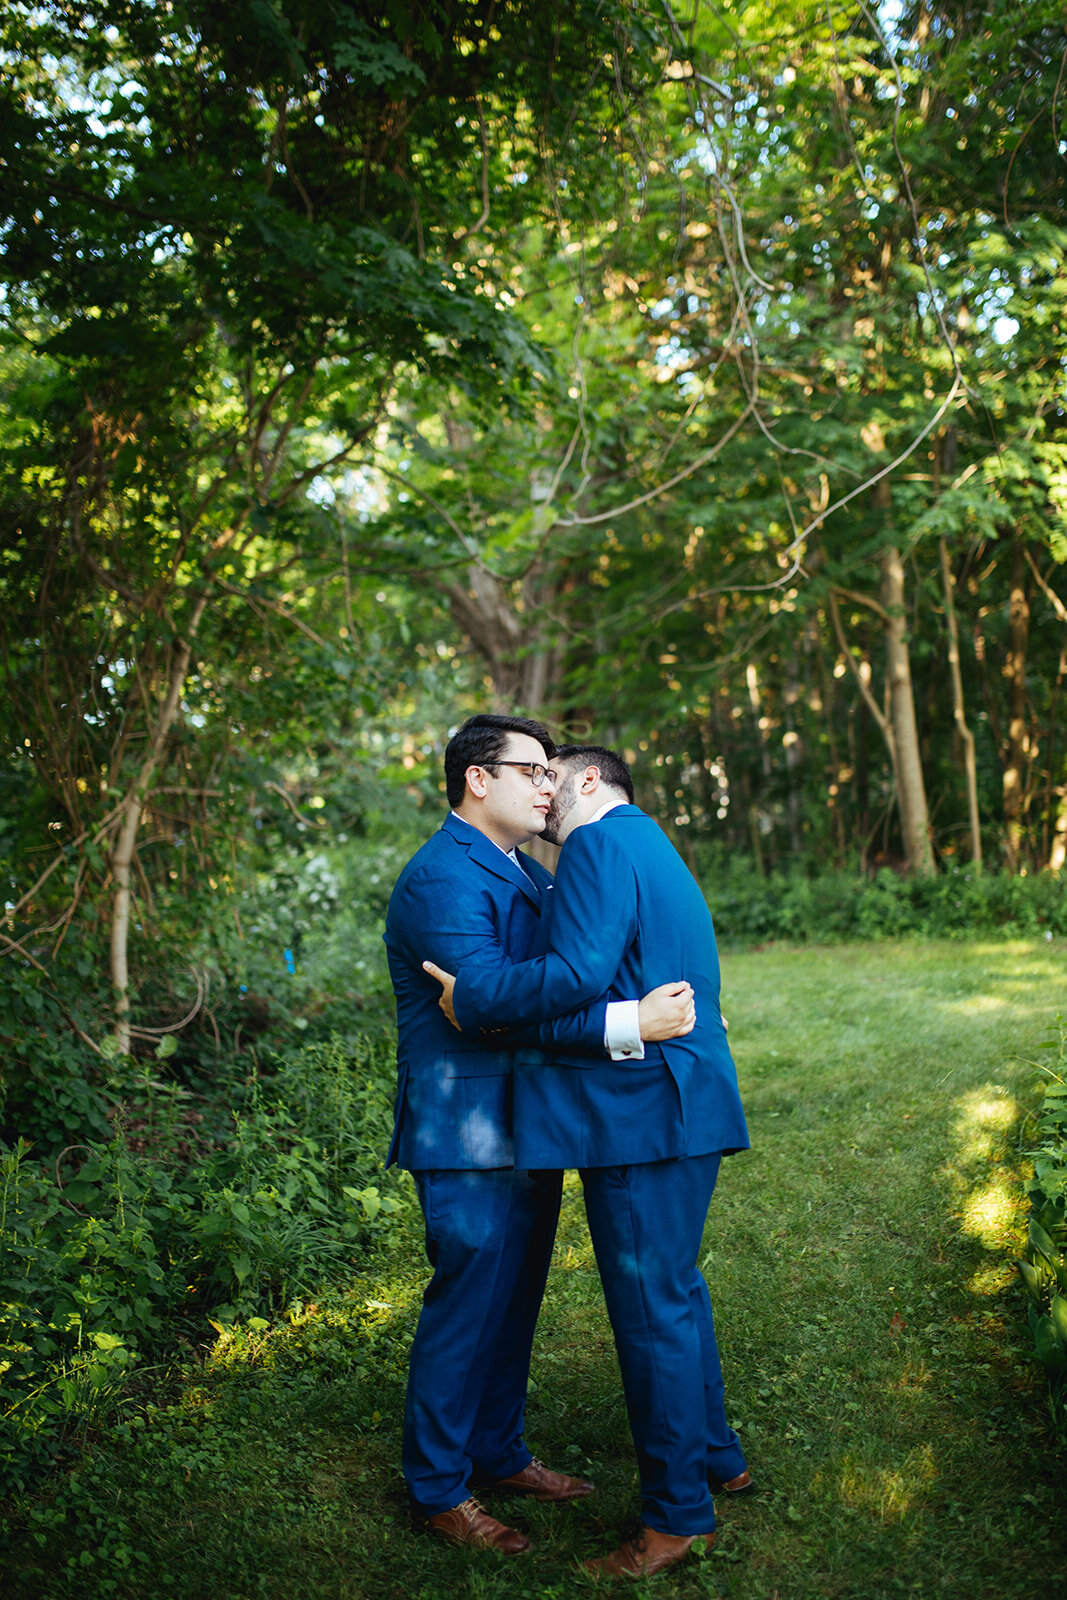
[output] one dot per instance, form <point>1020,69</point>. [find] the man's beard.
<point>562,802</point>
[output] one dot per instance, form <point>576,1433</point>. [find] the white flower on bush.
<point>321,884</point>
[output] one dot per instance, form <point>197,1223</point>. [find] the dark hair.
<point>613,769</point>
<point>483,740</point>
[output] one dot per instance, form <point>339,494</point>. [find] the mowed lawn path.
<point>859,1262</point>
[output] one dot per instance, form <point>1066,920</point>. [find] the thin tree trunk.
<point>966,736</point>
<point>122,853</point>
<point>862,675</point>
<point>794,750</point>
<point>1054,833</point>
<point>1015,764</point>
<point>1058,854</point>
<point>911,790</point>
<point>834,775</point>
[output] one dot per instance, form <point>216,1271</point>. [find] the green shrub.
<point>48,1082</point>
<point>750,909</point>
<point>106,1262</point>
<point>1043,1269</point>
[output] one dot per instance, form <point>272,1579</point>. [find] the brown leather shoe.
<point>742,1484</point>
<point>648,1552</point>
<point>470,1523</point>
<point>541,1483</point>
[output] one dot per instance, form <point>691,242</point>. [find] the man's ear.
<point>476,782</point>
<point>590,780</point>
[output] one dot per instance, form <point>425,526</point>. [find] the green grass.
<point>875,1353</point>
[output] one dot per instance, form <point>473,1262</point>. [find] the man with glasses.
<point>647,1136</point>
<point>468,898</point>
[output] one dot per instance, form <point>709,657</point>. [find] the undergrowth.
<point>1043,1268</point>
<point>114,1253</point>
<point>751,909</point>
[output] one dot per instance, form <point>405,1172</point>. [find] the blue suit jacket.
<point>461,902</point>
<point>626,915</point>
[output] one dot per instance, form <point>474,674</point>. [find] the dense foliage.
<point>1044,1268</point>
<point>693,381</point>
<point>117,1253</point>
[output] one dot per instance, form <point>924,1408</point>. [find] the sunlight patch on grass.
<point>986,1116</point>
<point>996,949</point>
<point>968,1004</point>
<point>988,1214</point>
<point>889,1493</point>
<point>993,1277</point>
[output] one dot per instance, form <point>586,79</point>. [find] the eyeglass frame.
<point>534,766</point>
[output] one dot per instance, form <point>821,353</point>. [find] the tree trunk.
<point>1055,807</point>
<point>965,734</point>
<point>1058,854</point>
<point>911,790</point>
<point>520,665</point>
<point>792,745</point>
<point>883,719</point>
<point>122,853</point>
<point>1018,751</point>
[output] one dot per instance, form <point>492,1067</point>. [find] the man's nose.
<point>547,783</point>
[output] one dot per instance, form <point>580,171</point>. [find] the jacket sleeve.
<point>577,1033</point>
<point>593,923</point>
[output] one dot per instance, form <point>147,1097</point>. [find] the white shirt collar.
<point>605,809</point>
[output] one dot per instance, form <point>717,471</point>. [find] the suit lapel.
<point>490,857</point>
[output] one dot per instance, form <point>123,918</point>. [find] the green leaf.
<point>1030,1277</point>
<point>107,1341</point>
<point>1058,1315</point>
<point>1040,1241</point>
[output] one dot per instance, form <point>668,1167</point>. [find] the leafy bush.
<point>107,1263</point>
<point>47,1075</point>
<point>1043,1269</point>
<point>751,909</point>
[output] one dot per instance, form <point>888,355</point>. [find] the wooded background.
<point>692,378</point>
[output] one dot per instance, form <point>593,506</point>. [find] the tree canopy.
<point>694,380</point>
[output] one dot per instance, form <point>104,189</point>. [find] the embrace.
<point>577,1024</point>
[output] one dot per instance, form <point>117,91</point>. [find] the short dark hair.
<point>613,769</point>
<point>483,740</point>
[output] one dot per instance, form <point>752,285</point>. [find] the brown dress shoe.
<point>742,1484</point>
<point>541,1483</point>
<point>470,1523</point>
<point>648,1552</point>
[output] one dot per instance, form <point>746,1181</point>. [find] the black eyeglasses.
<point>536,771</point>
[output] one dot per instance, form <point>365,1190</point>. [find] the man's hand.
<point>665,1013</point>
<point>447,981</point>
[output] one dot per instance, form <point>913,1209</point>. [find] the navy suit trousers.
<point>646,1223</point>
<point>489,1236</point>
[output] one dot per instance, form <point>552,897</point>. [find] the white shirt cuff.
<point>622,1031</point>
